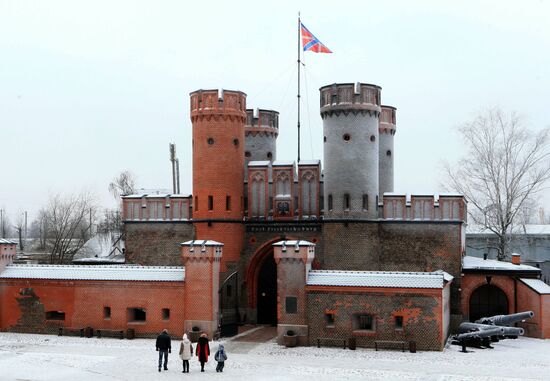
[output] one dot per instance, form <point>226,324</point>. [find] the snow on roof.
<point>163,195</point>
<point>531,229</point>
<point>281,163</point>
<point>258,163</point>
<point>377,279</point>
<point>309,162</point>
<point>201,242</point>
<point>293,243</point>
<point>537,285</point>
<point>83,272</point>
<point>7,242</point>
<point>475,263</point>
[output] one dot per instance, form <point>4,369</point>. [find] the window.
<point>196,203</point>
<point>166,314</point>
<point>210,202</point>
<point>247,154</point>
<point>347,137</point>
<point>135,315</point>
<point>236,142</point>
<point>210,141</point>
<point>329,202</point>
<point>372,138</point>
<point>329,319</point>
<point>246,203</point>
<point>55,315</point>
<point>291,305</point>
<point>324,139</point>
<point>269,155</point>
<point>365,202</point>
<point>107,313</point>
<point>346,201</point>
<point>363,322</point>
<point>398,322</point>
<point>388,153</point>
<point>227,202</point>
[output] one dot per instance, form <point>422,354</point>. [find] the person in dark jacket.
<point>220,357</point>
<point>203,350</point>
<point>164,346</point>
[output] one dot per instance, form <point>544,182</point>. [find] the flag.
<point>311,43</point>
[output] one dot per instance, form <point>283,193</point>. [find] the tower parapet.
<point>261,130</point>
<point>386,130</point>
<point>350,96</point>
<point>228,103</point>
<point>350,115</point>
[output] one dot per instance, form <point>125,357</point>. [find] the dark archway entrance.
<point>267,292</point>
<point>488,300</point>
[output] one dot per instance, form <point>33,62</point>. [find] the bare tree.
<point>5,225</point>
<point>505,167</point>
<point>68,222</point>
<point>19,227</point>
<point>122,185</point>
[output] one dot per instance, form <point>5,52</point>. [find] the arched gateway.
<point>261,280</point>
<point>488,300</point>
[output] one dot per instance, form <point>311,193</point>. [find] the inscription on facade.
<point>282,228</point>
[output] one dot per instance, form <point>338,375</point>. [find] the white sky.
<point>88,89</point>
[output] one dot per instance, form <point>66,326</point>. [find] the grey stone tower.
<point>386,154</point>
<point>350,115</point>
<point>261,130</point>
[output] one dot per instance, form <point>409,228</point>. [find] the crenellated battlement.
<point>218,102</point>
<point>350,97</point>
<point>446,207</point>
<point>387,119</point>
<point>258,120</point>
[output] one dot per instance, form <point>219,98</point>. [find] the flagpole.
<point>299,63</point>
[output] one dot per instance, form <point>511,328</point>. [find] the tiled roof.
<point>7,241</point>
<point>378,279</point>
<point>537,285</point>
<point>112,273</point>
<point>475,263</point>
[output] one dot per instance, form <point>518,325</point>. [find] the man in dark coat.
<point>164,346</point>
<point>203,350</point>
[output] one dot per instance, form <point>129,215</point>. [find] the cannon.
<point>506,320</point>
<point>479,338</point>
<point>507,332</point>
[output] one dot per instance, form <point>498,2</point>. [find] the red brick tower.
<point>218,168</point>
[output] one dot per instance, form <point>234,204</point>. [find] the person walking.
<point>220,357</point>
<point>186,352</point>
<point>164,346</point>
<point>203,350</point>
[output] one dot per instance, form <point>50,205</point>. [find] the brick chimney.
<point>516,259</point>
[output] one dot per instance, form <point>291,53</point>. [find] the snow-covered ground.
<point>44,357</point>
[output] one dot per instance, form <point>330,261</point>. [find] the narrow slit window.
<point>107,313</point>
<point>166,314</point>
<point>329,202</point>
<point>346,201</point>
<point>210,202</point>
<point>196,203</point>
<point>228,203</point>
<point>365,202</point>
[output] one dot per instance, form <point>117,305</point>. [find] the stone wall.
<point>156,243</point>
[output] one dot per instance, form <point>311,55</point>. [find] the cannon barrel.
<point>513,331</point>
<point>506,319</point>
<point>479,334</point>
<point>469,327</point>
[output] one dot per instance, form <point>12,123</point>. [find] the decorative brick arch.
<point>254,265</point>
<point>471,282</point>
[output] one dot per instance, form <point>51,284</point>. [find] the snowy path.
<point>44,357</point>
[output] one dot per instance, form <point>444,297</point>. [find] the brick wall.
<point>24,304</point>
<point>421,310</point>
<point>156,244</point>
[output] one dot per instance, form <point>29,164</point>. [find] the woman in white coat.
<point>186,352</point>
